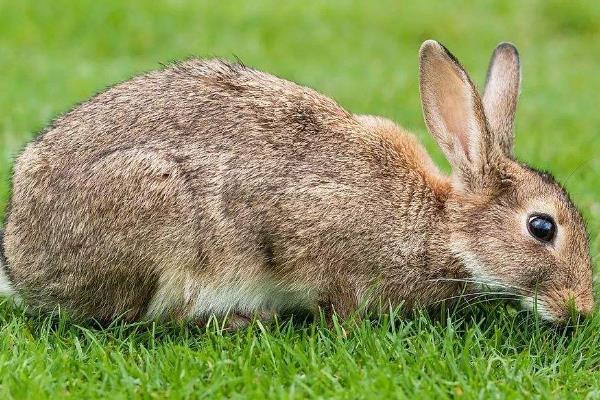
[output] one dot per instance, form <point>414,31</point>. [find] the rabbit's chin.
<point>532,304</point>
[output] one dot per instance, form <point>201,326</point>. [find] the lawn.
<point>55,54</point>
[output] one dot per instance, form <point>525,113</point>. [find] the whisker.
<point>462,280</point>
<point>467,299</point>
<point>485,300</point>
<point>485,283</point>
<point>467,296</point>
<point>576,169</point>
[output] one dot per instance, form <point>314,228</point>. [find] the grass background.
<point>364,54</point>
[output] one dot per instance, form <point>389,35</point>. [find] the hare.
<point>210,188</point>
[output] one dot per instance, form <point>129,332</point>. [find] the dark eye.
<point>541,227</point>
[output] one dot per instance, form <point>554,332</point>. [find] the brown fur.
<point>211,174</point>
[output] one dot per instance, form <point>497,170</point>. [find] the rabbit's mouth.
<point>561,307</point>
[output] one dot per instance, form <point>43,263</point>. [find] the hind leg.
<point>95,241</point>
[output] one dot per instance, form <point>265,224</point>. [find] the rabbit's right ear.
<point>501,93</point>
<point>453,112</point>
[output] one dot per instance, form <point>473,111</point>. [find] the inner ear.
<point>452,109</point>
<point>451,104</point>
<point>501,94</point>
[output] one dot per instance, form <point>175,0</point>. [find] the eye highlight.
<point>541,227</point>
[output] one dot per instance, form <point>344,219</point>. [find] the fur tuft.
<point>6,289</point>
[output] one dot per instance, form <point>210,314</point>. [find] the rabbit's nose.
<point>581,303</point>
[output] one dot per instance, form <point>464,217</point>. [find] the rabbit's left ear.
<point>454,113</point>
<point>501,93</point>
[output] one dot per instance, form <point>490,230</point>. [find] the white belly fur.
<point>6,289</point>
<point>189,296</point>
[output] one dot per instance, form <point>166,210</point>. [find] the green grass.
<point>55,54</point>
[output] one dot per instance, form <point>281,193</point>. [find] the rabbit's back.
<point>205,174</point>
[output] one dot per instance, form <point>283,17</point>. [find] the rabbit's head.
<point>513,228</point>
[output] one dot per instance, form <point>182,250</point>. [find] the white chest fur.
<point>183,295</point>
<point>5,286</point>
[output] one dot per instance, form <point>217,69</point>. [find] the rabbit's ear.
<point>501,93</point>
<point>453,111</point>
